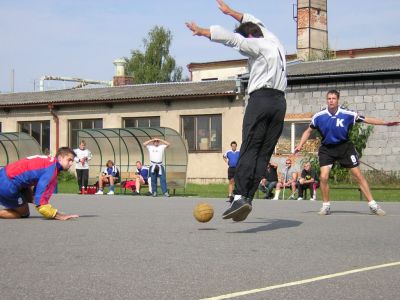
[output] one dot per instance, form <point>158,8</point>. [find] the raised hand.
<point>223,7</point>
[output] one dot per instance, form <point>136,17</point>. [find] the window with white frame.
<point>202,133</point>
<point>291,135</point>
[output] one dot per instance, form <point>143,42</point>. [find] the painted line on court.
<point>299,282</point>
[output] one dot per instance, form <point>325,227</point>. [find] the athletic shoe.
<point>148,194</point>
<point>136,193</point>
<point>299,199</point>
<point>291,197</point>
<point>243,216</point>
<point>99,192</point>
<point>110,193</point>
<point>313,199</point>
<point>154,194</point>
<point>166,194</point>
<point>377,211</point>
<point>325,210</point>
<point>237,208</point>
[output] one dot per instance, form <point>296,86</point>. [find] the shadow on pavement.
<point>271,225</point>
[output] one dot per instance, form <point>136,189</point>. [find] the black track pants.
<point>262,127</point>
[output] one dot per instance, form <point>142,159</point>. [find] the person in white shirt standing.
<point>82,158</point>
<point>156,149</point>
<point>266,108</point>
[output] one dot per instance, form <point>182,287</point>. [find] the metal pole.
<point>12,80</point>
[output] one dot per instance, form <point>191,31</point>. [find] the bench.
<point>127,176</point>
<point>174,179</point>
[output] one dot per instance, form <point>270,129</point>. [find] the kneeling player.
<point>33,180</point>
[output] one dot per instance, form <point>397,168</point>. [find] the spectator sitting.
<point>269,181</point>
<point>289,179</point>
<point>308,180</point>
<point>142,173</point>
<point>110,175</point>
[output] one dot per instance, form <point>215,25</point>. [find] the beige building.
<point>208,114</point>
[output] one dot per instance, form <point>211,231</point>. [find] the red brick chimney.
<point>312,28</point>
<point>119,77</point>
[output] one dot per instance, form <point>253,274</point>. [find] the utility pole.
<point>12,80</point>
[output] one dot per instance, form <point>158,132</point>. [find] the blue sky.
<point>81,38</point>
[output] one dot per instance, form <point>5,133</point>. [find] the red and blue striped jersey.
<point>39,171</point>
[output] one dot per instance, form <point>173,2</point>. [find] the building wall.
<point>378,98</point>
<point>202,167</point>
<point>219,72</point>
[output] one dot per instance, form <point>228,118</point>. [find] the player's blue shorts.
<point>10,193</point>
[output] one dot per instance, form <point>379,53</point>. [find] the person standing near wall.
<point>231,158</point>
<point>82,158</point>
<point>265,112</point>
<point>156,149</point>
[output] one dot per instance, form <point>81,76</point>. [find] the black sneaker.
<point>136,193</point>
<point>237,208</point>
<point>148,194</point>
<point>243,216</point>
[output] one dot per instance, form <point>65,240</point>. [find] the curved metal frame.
<point>124,135</point>
<point>8,137</point>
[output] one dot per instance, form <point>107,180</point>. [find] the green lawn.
<point>381,193</point>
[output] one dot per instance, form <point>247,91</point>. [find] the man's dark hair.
<point>63,151</point>
<point>233,143</point>
<point>335,92</point>
<point>247,28</point>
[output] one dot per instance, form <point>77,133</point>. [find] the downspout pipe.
<point>57,121</point>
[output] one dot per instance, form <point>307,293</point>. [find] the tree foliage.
<point>155,64</point>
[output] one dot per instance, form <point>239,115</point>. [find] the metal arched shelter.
<point>124,146</point>
<point>17,145</point>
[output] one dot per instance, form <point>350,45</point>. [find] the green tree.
<point>155,64</point>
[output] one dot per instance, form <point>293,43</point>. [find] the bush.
<point>65,176</point>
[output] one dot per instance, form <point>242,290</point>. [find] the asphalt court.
<point>125,247</point>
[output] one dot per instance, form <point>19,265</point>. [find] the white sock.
<point>325,204</point>
<point>237,197</point>
<point>373,204</point>
<point>277,194</point>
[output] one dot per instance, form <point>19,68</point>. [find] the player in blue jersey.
<point>334,124</point>
<point>142,178</point>
<point>231,158</point>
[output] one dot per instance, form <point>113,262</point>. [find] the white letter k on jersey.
<point>339,122</point>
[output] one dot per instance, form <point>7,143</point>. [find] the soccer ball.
<point>203,212</point>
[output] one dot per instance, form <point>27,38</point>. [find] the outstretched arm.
<point>196,30</point>
<point>375,121</point>
<point>238,16</point>
<point>303,140</point>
